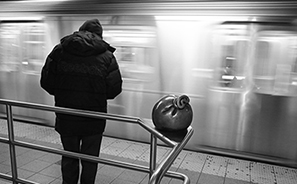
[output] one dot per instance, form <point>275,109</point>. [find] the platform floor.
<point>201,168</point>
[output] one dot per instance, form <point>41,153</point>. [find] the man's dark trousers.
<point>70,166</point>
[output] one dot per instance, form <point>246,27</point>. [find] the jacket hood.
<point>92,26</point>
<point>84,44</point>
<point>87,41</point>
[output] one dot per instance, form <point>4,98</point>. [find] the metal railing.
<point>156,173</point>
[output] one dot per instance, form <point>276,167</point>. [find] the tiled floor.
<point>42,167</point>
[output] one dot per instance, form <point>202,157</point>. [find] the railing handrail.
<point>155,174</point>
<point>71,111</point>
<point>92,114</point>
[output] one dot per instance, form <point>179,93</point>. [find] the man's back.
<point>82,73</point>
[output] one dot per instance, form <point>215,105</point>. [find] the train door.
<point>271,132</point>
<point>252,94</point>
<point>22,57</point>
<point>231,62</point>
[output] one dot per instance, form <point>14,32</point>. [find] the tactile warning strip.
<point>238,169</point>
<point>285,175</point>
<point>215,165</point>
<point>193,161</point>
<point>262,173</point>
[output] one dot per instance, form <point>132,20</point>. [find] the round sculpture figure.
<point>172,113</point>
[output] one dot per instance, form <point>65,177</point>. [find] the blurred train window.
<point>263,76</point>
<point>262,58</point>
<point>126,54</point>
<point>233,64</point>
<point>33,52</point>
<point>241,55</point>
<point>133,55</point>
<point>135,52</point>
<point>135,62</point>
<point>22,47</point>
<point>274,62</point>
<point>9,48</point>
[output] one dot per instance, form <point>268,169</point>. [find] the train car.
<point>236,60</point>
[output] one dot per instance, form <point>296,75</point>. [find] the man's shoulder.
<point>57,50</point>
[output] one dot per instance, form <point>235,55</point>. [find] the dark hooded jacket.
<point>82,73</point>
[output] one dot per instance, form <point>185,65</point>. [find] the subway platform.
<point>44,168</point>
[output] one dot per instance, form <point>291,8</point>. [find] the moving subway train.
<point>237,61</point>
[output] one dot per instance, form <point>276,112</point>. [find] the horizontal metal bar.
<point>4,140</point>
<point>81,156</point>
<point>93,158</point>
<point>6,176</point>
<point>100,115</point>
<point>85,113</point>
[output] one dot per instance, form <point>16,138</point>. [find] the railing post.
<point>11,143</point>
<point>153,154</point>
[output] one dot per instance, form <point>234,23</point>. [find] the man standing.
<point>81,72</point>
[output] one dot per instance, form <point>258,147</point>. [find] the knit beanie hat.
<point>92,26</point>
